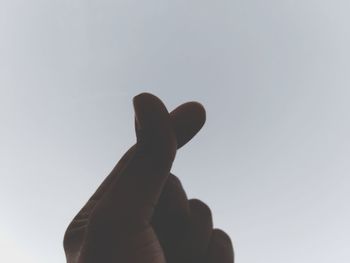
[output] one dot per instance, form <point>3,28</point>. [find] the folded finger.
<point>220,249</point>
<point>171,216</point>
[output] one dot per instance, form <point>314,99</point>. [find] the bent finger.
<point>220,249</point>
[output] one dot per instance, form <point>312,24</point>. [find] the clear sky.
<point>272,160</point>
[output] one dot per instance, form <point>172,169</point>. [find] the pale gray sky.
<point>271,160</point>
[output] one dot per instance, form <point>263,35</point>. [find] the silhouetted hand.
<point>140,213</point>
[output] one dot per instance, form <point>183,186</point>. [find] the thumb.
<point>131,200</point>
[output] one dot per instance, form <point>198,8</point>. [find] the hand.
<point>140,213</point>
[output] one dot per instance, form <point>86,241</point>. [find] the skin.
<point>140,213</point>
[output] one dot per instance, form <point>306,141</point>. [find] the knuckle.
<point>220,234</point>
<point>174,180</point>
<point>222,239</point>
<point>199,207</point>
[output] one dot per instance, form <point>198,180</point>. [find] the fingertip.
<point>144,96</point>
<point>147,103</point>
<point>149,110</point>
<point>199,110</point>
<point>187,120</point>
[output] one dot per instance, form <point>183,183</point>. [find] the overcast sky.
<point>272,160</point>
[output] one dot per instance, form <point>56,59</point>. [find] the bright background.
<point>272,160</point>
